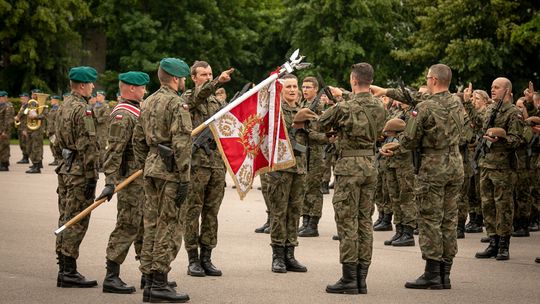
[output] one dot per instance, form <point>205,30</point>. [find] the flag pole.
<point>288,67</point>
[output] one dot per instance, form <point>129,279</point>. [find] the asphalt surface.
<point>28,269</point>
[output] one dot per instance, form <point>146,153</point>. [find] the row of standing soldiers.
<point>42,125</point>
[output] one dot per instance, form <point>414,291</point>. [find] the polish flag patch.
<point>118,117</point>
<point>88,113</point>
<point>414,113</point>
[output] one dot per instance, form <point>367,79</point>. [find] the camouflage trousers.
<point>523,194</point>
<point>286,191</point>
<point>463,198</point>
<point>129,223</point>
<point>474,198</point>
<point>381,197</point>
<point>329,161</point>
<point>71,201</point>
<point>535,192</point>
<point>313,199</point>
<point>400,185</point>
<point>353,206</point>
<point>23,140</point>
<point>206,193</point>
<point>35,145</point>
<point>439,181</point>
<point>101,135</point>
<point>162,234</point>
<point>496,190</point>
<point>4,150</point>
<point>54,152</point>
<point>264,190</point>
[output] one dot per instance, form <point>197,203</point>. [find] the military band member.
<point>35,136</point>
<point>51,122</point>
<point>20,121</point>
<point>6,121</point>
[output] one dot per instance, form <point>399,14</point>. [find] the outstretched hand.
<point>225,76</point>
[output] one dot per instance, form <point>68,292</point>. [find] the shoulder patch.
<point>414,113</point>
<point>88,113</point>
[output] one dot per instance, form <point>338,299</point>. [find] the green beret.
<point>24,95</point>
<point>66,95</point>
<point>36,91</point>
<point>134,78</point>
<point>3,93</point>
<point>84,74</point>
<point>175,67</point>
<point>56,97</point>
<point>100,92</point>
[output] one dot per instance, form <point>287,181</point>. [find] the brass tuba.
<point>34,110</point>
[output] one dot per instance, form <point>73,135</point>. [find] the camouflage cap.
<point>174,66</point>
<point>392,146</point>
<point>496,132</point>
<point>394,125</point>
<point>3,93</point>
<point>83,74</point>
<point>134,78</point>
<point>533,120</point>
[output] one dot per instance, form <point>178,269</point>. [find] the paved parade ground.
<point>28,269</point>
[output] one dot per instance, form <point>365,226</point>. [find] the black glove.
<point>181,194</point>
<point>90,189</point>
<point>107,192</point>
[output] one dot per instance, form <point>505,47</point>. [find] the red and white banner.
<point>252,137</point>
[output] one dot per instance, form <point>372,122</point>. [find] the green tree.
<point>39,42</point>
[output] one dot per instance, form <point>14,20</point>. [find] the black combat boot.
<point>379,219</point>
<point>534,223</point>
<point>206,262</point>
<point>305,222</point>
<point>361,273</point>
<point>475,224</point>
<point>267,230</point>
<point>522,228</point>
<point>3,167</point>
<point>324,188</point>
<point>485,239</point>
<point>460,230</point>
<point>291,264</point>
<point>537,260</point>
<point>34,169</point>
<point>336,237</point>
<point>40,164</point>
<point>54,162</point>
<point>492,250</point>
<point>348,283</point>
<point>445,274</point>
<point>24,160</point>
<point>406,239</point>
<point>472,219</point>
<point>146,281</point>
<point>504,246</point>
<point>60,262</point>
<point>397,235</point>
<point>161,292</point>
<point>431,279</point>
<point>264,226</point>
<point>194,268</point>
<point>70,277</point>
<point>278,259</point>
<point>312,228</point>
<point>112,282</point>
<point>331,185</point>
<point>386,223</point>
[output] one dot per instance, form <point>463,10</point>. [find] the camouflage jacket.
<point>6,118</point>
<point>75,129</point>
<point>51,118</point>
<point>316,138</point>
<point>288,112</point>
<point>119,159</point>
<point>500,154</point>
<point>102,112</point>
<point>202,105</point>
<point>359,122</point>
<point>164,120</point>
<point>22,117</point>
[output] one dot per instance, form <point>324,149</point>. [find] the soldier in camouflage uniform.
<point>497,171</point>
<point>313,199</point>
<point>35,137</point>
<point>533,102</point>
<point>118,165</point>
<point>467,136</point>
<point>479,102</point>
<point>207,174</point>
<point>286,187</point>
<point>400,185</point>
<point>329,155</point>
<point>435,128</point>
<point>359,122</point>
<point>51,119</point>
<point>77,174</point>
<point>102,112</point>
<point>162,145</point>
<point>22,132</point>
<point>6,121</point>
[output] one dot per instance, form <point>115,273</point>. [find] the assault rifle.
<point>482,147</point>
<point>205,140</point>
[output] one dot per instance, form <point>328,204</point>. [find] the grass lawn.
<point>16,141</point>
